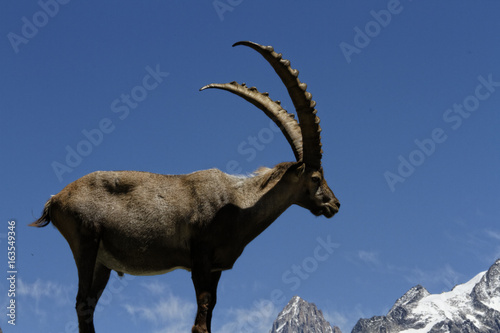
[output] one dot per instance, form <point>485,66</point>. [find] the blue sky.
<point>408,93</point>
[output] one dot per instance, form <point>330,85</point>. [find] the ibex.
<point>141,223</point>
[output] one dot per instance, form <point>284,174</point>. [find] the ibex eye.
<point>316,179</point>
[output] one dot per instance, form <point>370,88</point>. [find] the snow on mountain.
<point>299,316</point>
<point>472,307</point>
<point>455,305</point>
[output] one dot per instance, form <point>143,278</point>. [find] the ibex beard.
<point>142,223</point>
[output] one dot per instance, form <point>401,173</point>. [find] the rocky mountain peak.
<point>412,296</point>
<point>472,307</point>
<point>300,316</point>
<point>487,291</point>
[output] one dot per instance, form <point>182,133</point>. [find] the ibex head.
<point>313,192</point>
<point>316,195</point>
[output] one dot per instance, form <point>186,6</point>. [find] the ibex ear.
<point>299,168</point>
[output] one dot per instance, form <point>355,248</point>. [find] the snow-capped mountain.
<point>472,307</point>
<point>299,316</point>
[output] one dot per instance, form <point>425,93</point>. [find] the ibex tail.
<point>45,218</point>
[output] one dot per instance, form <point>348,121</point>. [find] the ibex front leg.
<point>205,284</point>
<point>214,281</point>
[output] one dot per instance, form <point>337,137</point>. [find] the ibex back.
<point>145,224</point>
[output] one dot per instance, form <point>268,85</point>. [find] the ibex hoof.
<point>197,329</point>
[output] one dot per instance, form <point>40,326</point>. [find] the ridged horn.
<point>302,101</point>
<point>284,120</point>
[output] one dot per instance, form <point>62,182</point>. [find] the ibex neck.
<point>264,198</point>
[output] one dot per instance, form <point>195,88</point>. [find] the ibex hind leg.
<point>92,277</point>
<point>85,254</point>
<point>99,282</point>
